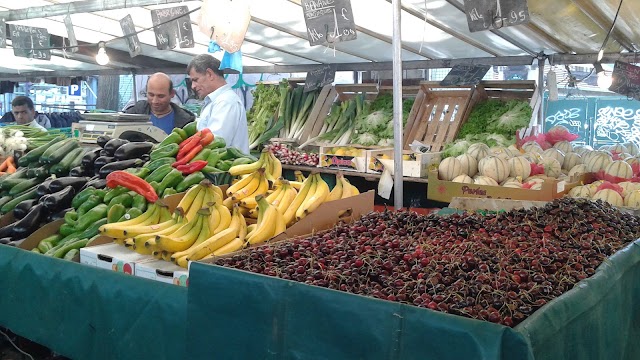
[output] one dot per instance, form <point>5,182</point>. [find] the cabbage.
<point>366,139</point>
<point>386,142</point>
<point>456,148</point>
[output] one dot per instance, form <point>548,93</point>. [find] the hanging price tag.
<point>328,21</point>
<point>495,14</point>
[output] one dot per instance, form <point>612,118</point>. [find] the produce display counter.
<point>270,318</point>
<point>88,313</point>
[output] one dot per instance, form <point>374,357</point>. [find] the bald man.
<point>164,114</point>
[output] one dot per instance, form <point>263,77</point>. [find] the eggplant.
<point>133,150</point>
<point>43,189</point>
<point>114,144</point>
<point>102,161</point>
<point>23,208</point>
<point>104,152</point>
<point>77,182</point>
<point>58,215</point>
<point>60,199</point>
<point>102,140</point>
<point>5,240</point>
<point>16,243</point>
<point>96,183</point>
<point>7,230</point>
<point>28,224</point>
<point>119,165</point>
<point>77,171</point>
<point>145,157</point>
<point>90,157</point>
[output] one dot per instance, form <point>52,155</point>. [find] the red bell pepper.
<point>188,156</point>
<point>190,138</point>
<point>207,137</point>
<point>190,168</point>
<point>132,182</point>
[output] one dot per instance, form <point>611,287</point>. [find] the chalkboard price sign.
<point>3,33</point>
<point>495,14</point>
<point>172,27</point>
<point>329,21</point>
<point>626,80</point>
<point>129,30</point>
<point>319,77</point>
<point>465,75</point>
<point>30,42</point>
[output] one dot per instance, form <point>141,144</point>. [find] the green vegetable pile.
<point>374,126</point>
<point>492,122</point>
<point>265,104</point>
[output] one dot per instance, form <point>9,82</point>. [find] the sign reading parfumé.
<point>319,77</point>
<point>465,75</point>
<point>328,21</point>
<point>626,80</point>
<point>495,14</point>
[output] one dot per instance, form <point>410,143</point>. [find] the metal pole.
<point>135,87</point>
<point>398,198</point>
<point>541,61</point>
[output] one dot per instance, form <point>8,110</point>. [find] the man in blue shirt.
<point>164,114</point>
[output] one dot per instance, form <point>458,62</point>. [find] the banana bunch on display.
<point>247,188</point>
<point>314,191</point>
<point>271,164</point>
<point>270,222</point>
<point>343,189</point>
<point>280,197</point>
<point>156,213</point>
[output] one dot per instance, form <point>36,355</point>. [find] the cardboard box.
<point>472,204</point>
<point>163,271</point>
<point>445,191</point>
<point>112,257</point>
<point>349,157</point>
<point>413,164</point>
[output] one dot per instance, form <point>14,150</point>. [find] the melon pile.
<point>630,196</point>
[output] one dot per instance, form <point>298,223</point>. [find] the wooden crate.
<point>318,114</point>
<point>437,114</point>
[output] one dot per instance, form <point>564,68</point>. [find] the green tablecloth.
<point>239,315</point>
<point>89,313</point>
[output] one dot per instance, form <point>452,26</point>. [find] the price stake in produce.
<point>30,42</point>
<point>329,21</point>
<point>172,27</point>
<point>465,75</point>
<point>626,80</point>
<point>495,14</point>
<point>129,30</point>
<point>319,77</point>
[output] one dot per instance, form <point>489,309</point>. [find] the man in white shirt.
<point>222,111</point>
<point>24,112</point>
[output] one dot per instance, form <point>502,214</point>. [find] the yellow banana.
<point>185,232</point>
<point>164,214</point>
<point>244,182</point>
<point>283,202</point>
<point>251,228</point>
<point>225,219</point>
<point>141,239</point>
<point>268,171</point>
<point>204,198</point>
<point>128,243</point>
<point>299,176</point>
<point>296,184</point>
<point>228,203</point>
<point>336,193</point>
<point>172,244</point>
<point>117,230</point>
<point>312,190</point>
<point>135,230</point>
<point>213,243</point>
<point>276,166</point>
<point>318,198</point>
<point>354,190</point>
<point>249,202</point>
<point>268,221</point>
<point>274,195</point>
<point>157,254</point>
<point>190,197</point>
<point>247,168</point>
<point>258,181</point>
<point>347,189</point>
<point>166,256</point>
<point>182,262</point>
<point>253,213</point>
<point>244,211</point>
<point>219,195</point>
<point>235,245</point>
<point>242,230</point>
<point>214,218</point>
<point>290,213</point>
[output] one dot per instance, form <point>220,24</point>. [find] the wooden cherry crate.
<point>437,114</point>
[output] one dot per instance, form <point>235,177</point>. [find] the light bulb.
<point>604,80</point>
<point>102,58</point>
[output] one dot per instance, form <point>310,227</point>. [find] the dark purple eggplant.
<point>58,215</point>
<point>119,165</point>
<point>43,189</point>
<point>96,183</point>
<point>28,224</point>
<point>145,157</point>
<point>112,145</point>
<point>102,161</point>
<point>7,230</point>
<point>77,171</point>
<point>22,209</point>
<point>59,200</point>
<point>77,182</point>
<point>90,157</point>
<point>5,240</point>
<point>133,150</point>
<point>104,152</point>
<point>103,140</point>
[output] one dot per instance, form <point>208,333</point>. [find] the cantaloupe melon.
<point>617,148</point>
<point>619,168</point>
<point>478,151</point>
<point>519,166</point>
<point>463,179</point>
<point>514,150</point>
<point>552,167</point>
<point>628,187</point>
<point>512,179</point>
<point>564,146</point>
<point>581,150</point>
<point>570,160</point>
<point>469,164</point>
<point>632,199</point>
<point>494,167</point>
<point>484,180</point>
<point>532,146</point>
<point>610,196</point>
<point>632,148</point>
<point>553,153</point>
<point>449,168</point>
<point>580,192</point>
<point>512,184</point>
<point>633,160</point>
<point>500,151</point>
<point>578,170</point>
<point>593,187</point>
<point>598,161</point>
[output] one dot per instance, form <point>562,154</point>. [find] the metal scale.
<point>131,127</point>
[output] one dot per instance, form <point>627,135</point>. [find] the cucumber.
<point>29,194</point>
<point>52,150</point>
<point>63,152</point>
<point>24,185</point>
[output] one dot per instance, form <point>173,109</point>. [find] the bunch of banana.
<point>190,233</point>
<point>314,191</point>
<point>199,197</point>
<point>157,213</point>
<point>299,176</point>
<point>281,197</point>
<point>268,161</point>
<point>228,240</point>
<point>343,189</point>
<point>270,223</point>
<point>247,188</point>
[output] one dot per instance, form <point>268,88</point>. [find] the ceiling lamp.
<point>102,58</point>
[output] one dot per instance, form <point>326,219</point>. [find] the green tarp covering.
<point>89,313</point>
<point>238,315</point>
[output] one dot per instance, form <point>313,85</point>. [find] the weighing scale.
<point>131,127</point>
